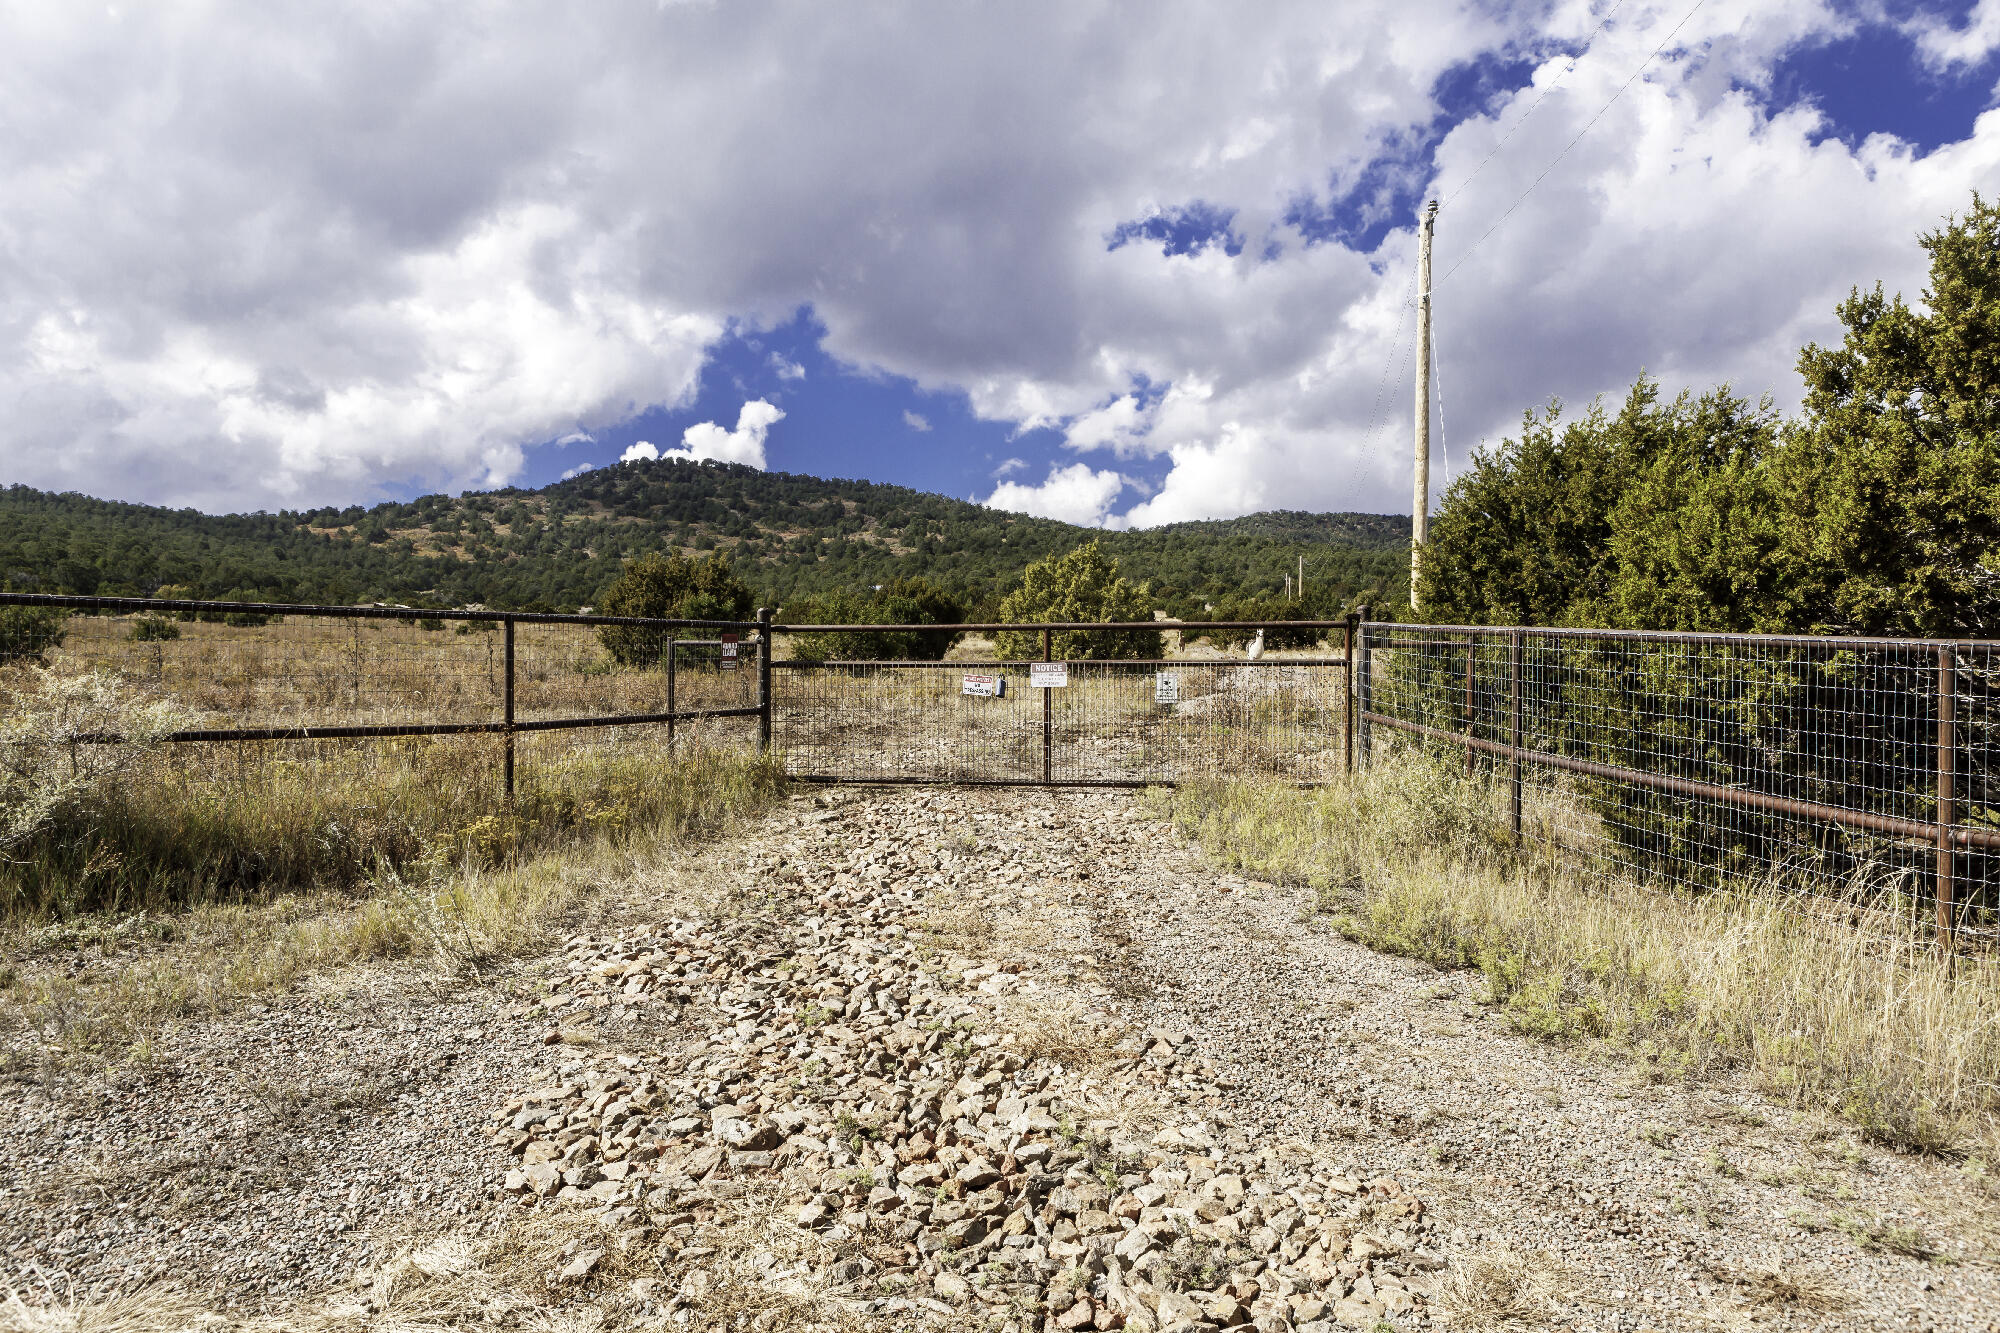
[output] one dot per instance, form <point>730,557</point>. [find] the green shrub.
<point>1082,585</point>
<point>659,587</point>
<point>154,629</point>
<point>904,602</point>
<point>28,633</point>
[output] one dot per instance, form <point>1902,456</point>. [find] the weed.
<point>1856,1019</point>
<point>1879,1234</point>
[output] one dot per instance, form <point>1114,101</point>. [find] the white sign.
<point>1166,689</point>
<point>729,652</point>
<point>1048,675</point>
<point>990,687</point>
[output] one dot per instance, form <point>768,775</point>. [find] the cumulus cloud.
<point>786,369</point>
<point>293,258</point>
<point>916,421</point>
<point>709,442</point>
<point>1947,46</point>
<point>1074,494</point>
<point>578,470</point>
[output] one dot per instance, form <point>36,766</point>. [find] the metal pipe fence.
<point>1857,773</point>
<point>253,673</point>
<point>1107,723</point>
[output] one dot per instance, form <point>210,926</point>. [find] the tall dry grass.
<point>1868,1021</point>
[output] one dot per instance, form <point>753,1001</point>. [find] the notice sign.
<point>729,652</point>
<point>1166,689</point>
<point>989,687</point>
<point>1048,675</point>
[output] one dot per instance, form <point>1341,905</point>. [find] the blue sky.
<point>1046,260</point>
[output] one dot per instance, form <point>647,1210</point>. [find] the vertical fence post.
<point>507,627</point>
<point>763,679</point>
<point>1471,655</point>
<point>1347,702</point>
<point>1048,713</point>
<point>1947,795</point>
<point>1514,738</point>
<point>1362,702</point>
<point>673,704</point>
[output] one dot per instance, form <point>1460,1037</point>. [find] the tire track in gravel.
<point>1611,1201</point>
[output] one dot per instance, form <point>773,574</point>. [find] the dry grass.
<point>1061,1031</point>
<point>93,986</point>
<point>1865,1021</point>
<point>1500,1289</point>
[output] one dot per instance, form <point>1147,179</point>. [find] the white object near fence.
<point>1048,675</point>
<point>1166,689</point>
<point>990,687</point>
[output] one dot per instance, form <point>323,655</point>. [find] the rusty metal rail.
<point>1844,767</point>
<point>665,643</point>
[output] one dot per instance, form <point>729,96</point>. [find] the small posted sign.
<point>1048,675</point>
<point>1166,688</point>
<point>986,687</point>
<point>729,652</point>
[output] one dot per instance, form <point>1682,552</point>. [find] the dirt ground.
<point>260,1168</point>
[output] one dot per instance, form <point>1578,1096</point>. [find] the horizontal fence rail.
<point>1855,772</point>
<point>303,675</point>
<point>1112,722</point>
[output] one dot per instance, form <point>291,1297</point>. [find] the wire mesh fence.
<point>1855,773</point>
<point>1088,721</point>
<point>257,689</point>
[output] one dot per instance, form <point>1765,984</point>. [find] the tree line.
<point>790,538</point>
<point>1874,511</point>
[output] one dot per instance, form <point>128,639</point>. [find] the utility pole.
<point>1420,503</point>
<point>1302,577</point>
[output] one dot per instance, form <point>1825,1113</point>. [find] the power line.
<point>1530,114</point>
<point>1444,441</point>
<point>1502,219</point>
<point>1375,418</point>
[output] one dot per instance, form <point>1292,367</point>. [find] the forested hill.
<point>787,534</point>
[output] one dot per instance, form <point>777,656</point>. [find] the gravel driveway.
<point>258,1164</point>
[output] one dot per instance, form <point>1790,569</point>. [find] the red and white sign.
<point>990,687</point>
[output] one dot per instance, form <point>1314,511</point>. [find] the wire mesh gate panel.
<point>1846,771</point>
<point>1112,724</point>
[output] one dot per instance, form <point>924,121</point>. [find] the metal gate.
<point>1086,722</point>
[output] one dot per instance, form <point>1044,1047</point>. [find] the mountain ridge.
<point>788,535</point>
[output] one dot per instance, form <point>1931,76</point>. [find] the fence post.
<point>673,706</point>
<point>1048,713</point>
<point>1471,654</point>
<point>763,679</point>
<point>1947,795</point>
<point>1514,741</point>
<point>1362,701</point>
<point>507,627</point>
<point>1347,701</point>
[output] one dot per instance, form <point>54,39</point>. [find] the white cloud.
<point>576,437</point>
<point>284,258</point>
<point>706,441</point>
<point>786,369</point>
<point>1947,46</point>
<point>916,420</point>
<point>1074,494</point>
<point>1010,466</point>
<point>578,470</point>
